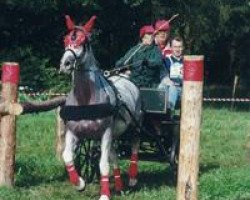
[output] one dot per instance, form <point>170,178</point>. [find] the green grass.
<point>224,163</point>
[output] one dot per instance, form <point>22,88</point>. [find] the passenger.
<point>171,79</point>
<point>162,36</point>
<point>143,61</point>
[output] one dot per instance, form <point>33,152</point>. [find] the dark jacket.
<point>145,63</point>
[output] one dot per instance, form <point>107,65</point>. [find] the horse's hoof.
<point>104,197</point>
<point>132,182</point>
<point>81,186</point>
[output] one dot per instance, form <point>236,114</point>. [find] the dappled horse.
<point>96,108</point>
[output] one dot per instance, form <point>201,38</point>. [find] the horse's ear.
<point>90,24</point>
<point>69,23</point>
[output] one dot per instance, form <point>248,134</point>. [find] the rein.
<point>117,70</point>
<point>98,110</point>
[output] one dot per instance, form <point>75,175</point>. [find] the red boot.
<point>133,168</point>
<point>118,180</point>
<point>105,186</point>
<point>73,175</point>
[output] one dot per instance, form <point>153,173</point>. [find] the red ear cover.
<point>76,37</point>
<point>90,24</point>
<point>69,23</point>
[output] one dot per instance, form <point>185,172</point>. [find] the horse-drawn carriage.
<point>159,137</point>
<point>99,109</point>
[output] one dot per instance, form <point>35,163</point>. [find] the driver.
<point>143,62</point>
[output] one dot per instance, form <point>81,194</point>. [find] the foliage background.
<point>31,33</point>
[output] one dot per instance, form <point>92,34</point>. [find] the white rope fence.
<point>35,94</point>
<point>226,99</point>
<point>205,99</point>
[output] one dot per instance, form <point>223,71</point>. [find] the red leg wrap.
<point>73,175</point>
<point>105,186</point>
<point>133,168</point>
<point>118,180</point>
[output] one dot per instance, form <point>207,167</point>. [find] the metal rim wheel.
<point>87,159</point>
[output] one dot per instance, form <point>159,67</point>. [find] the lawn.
<point>224,163</point>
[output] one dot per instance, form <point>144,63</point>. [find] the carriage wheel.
<point>87,159</point>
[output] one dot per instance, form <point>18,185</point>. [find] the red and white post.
<point>10,79</point>
<point>191,109</point>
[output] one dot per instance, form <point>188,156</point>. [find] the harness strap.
<point>119,104</point>
<point>70,50</point>
<point>87,112</point>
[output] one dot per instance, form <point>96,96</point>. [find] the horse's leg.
<point>117,173</point>
<point>133,168</point>
<point>104,164</point>
<point>68,157</point>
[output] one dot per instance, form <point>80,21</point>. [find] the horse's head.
<point>75,42</point>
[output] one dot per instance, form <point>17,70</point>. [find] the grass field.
<point>224,163</point>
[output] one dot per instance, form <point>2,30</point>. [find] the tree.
<point>32,33</point>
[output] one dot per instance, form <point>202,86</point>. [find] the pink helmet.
<point>162,25</point>
<point>146,29</point>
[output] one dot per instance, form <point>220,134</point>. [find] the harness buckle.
<point>106,73</point>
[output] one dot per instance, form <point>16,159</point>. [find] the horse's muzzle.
<point>66,66</point>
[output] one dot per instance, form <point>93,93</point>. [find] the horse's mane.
<point>89,59</point>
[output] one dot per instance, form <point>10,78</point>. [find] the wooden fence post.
<point>60,135</point>
<point>10,79</point>
<point>191,108</point>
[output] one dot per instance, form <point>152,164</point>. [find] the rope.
<point>34,94</point>
<point>205,99</point>
<point>226,99</point>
